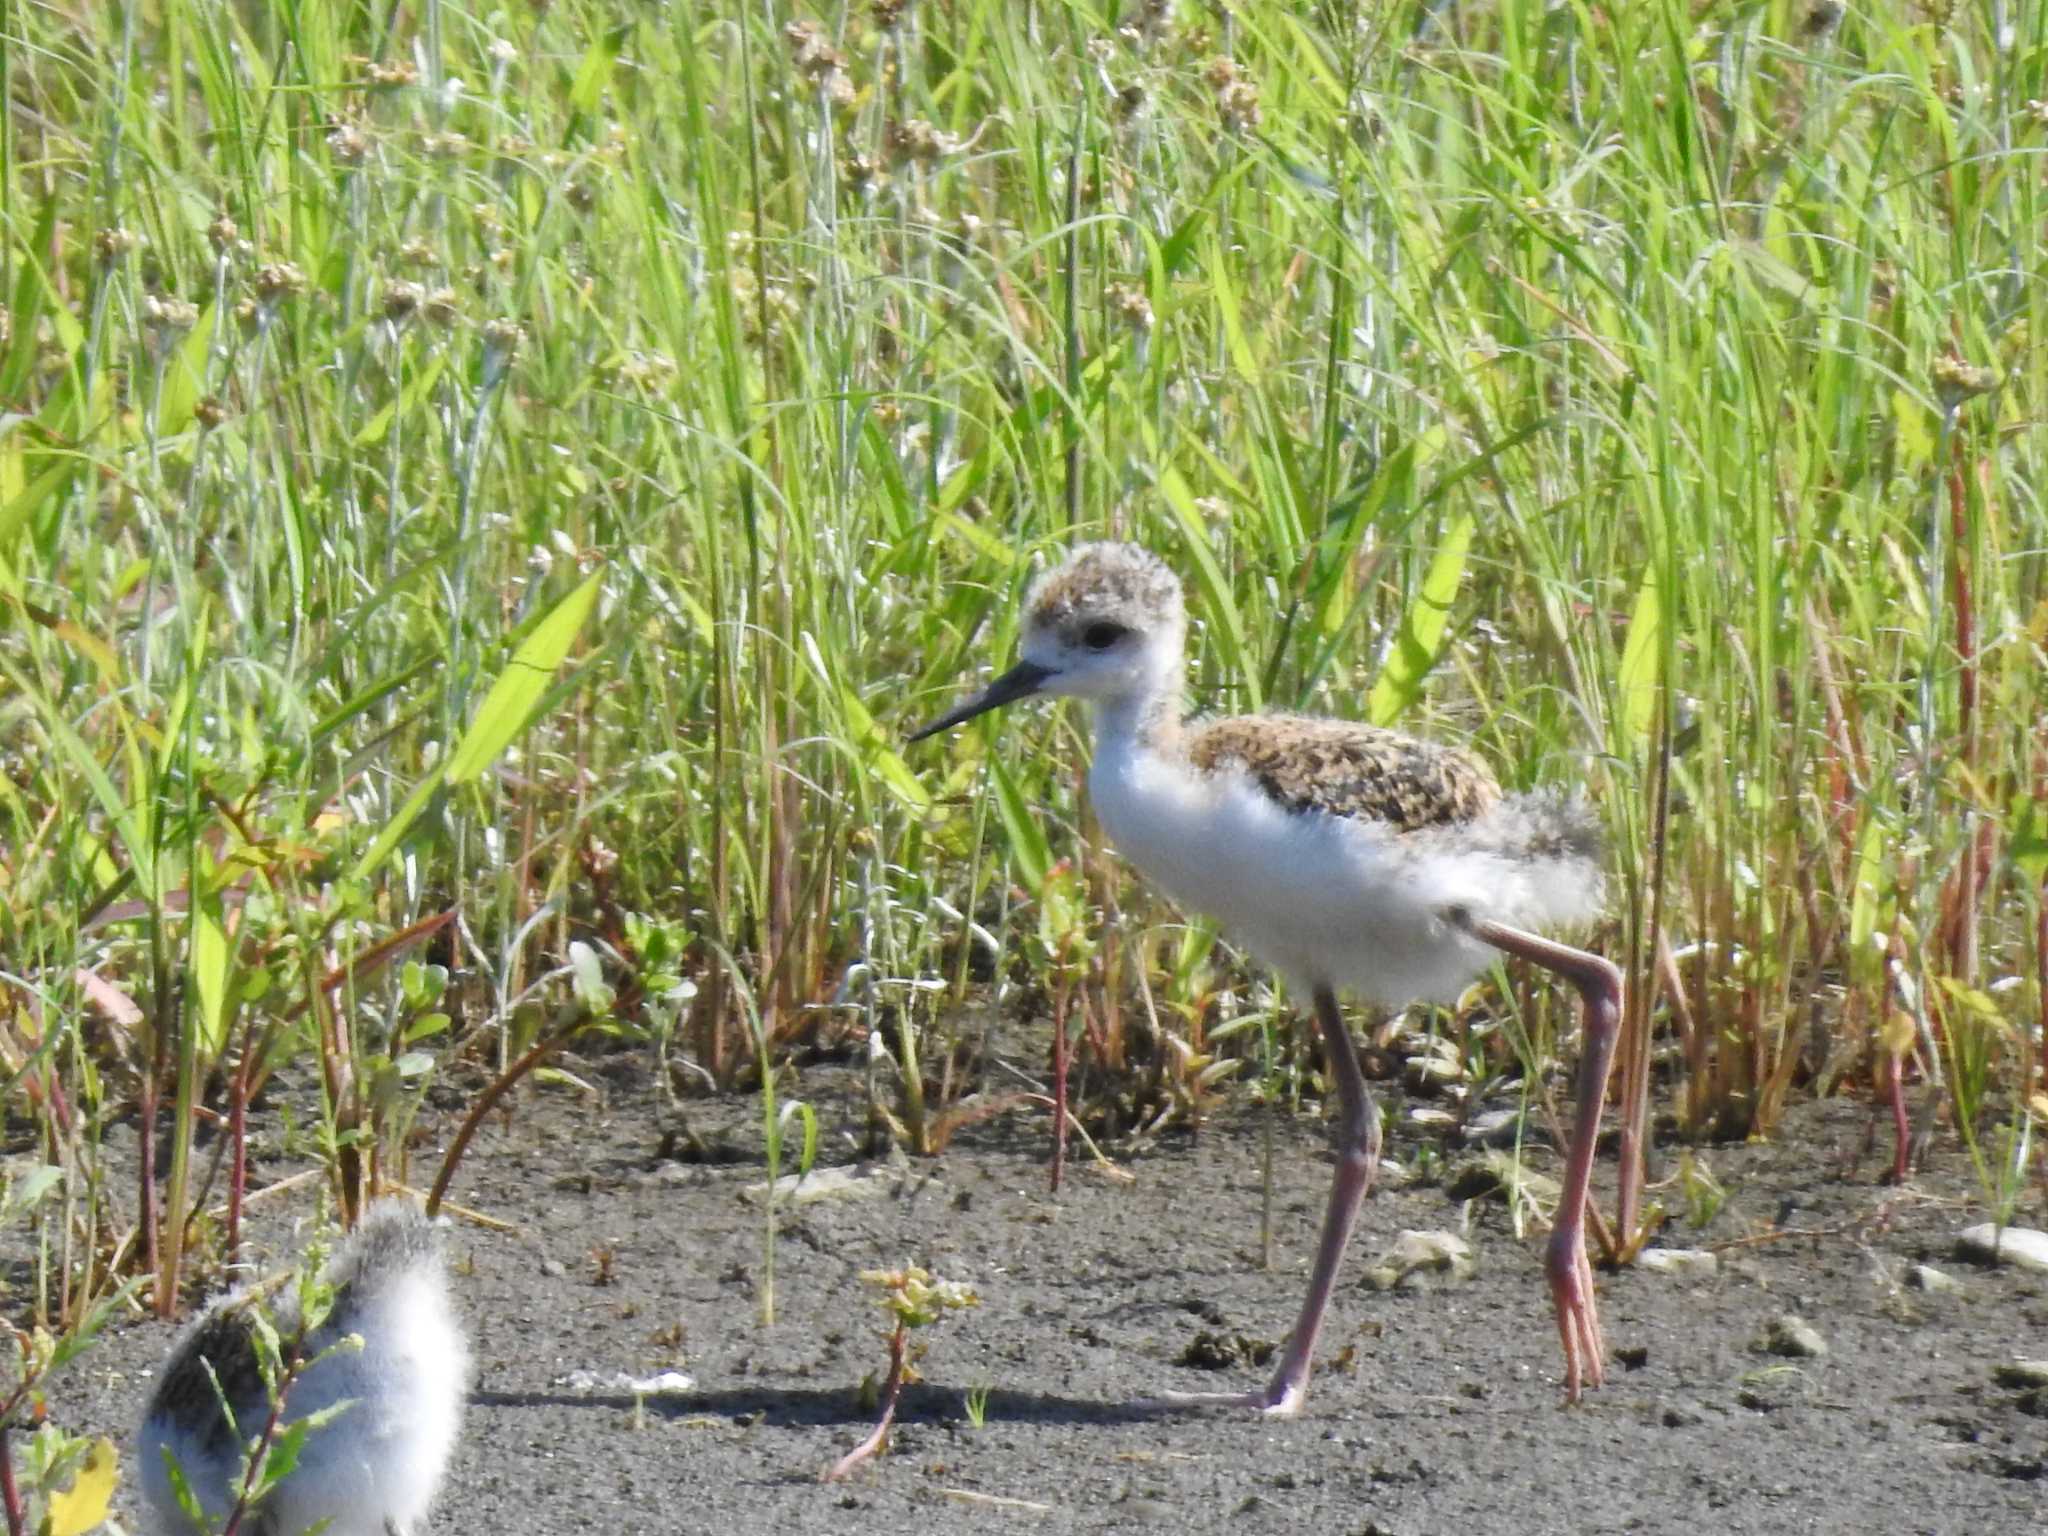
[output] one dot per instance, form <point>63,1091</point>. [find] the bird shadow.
<point>816,1407</point>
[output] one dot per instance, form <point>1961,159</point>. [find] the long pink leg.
<point>1358,1159</point>
<point>1565,1262</point>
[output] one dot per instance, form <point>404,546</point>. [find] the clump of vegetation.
<point>914,1299</point>
<point>52,1482</point>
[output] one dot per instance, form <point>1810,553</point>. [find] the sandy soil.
<point>1439,1408</point>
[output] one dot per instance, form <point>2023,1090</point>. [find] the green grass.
<point>1564,380</point>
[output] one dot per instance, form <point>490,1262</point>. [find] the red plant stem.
<point>295,1363</point>
<point>546,1047</point>
<point>1966,618</point>
<point>238,1142</point>
<point>1963,936</point>
<point>1895,1087</point>
<point>17,1521</point>
<point>1059,1080</point>
<point>892,1389</point>
<point>146,1176</point>
<point>2041,978</point>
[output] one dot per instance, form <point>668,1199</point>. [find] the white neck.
<point>1130,721</point>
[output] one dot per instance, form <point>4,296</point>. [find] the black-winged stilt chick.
<point>373,1469</point>
<point>1346,856</point>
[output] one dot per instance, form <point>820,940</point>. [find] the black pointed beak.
<point>1020,682</point>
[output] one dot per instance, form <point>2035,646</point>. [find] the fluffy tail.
<point>393,1241</point>
<point>1555,855</point>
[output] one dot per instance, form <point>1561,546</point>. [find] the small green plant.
<point>1703,1193</point>
<point>977,1406</point>
<point>913,1298</point>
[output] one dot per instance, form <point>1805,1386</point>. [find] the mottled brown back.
<point>1348,769</point>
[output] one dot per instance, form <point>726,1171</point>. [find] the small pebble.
<point>1794,1336</point>
<point>1988,1244</point>
<point>1500,1128</point>
<point>1485,1174</point>
<point>1421,1253</point>
<point>2021,1373</point>
<point>1925,1277</point>
<point>1684,1263</point>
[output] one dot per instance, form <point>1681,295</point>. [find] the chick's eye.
<point>1101,635</point>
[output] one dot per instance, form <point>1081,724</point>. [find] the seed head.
<point>443,307</point>
<point>811,51</point>
<point>860,171</point>
<point>445,146</point>
<point>1154,21</point>
<point>210,412</point>
<point>503,337</point>
<point>1238,102</point>
<point>888,14</point>
<point>277,281</point>
<point>114,242</point>
<point>1821,19</point>
<point>221,234</point>
<point>916,139</point>
<point>347,144</point>
<point>168,319</point>
<point>402,300</point>
<point>1956,381</point>
<point>390,74</point>
<point>1131,306</point>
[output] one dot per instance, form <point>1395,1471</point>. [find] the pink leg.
<point>1358,1157</point>
<point>1570,1273</point>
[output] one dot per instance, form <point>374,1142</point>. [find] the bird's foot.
<point>1276,1400</point>
<point>1578,1314</point>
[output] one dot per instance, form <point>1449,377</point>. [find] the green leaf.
<point>184,378</point>
<point>130,821</point>
<point>210,972</point>
<point>426,1026</point>
<point>1027,839</point>
<point>404,404</point>
<point>1421,639</point>
<point>877,755</point>
<point>798,1109</point>
<point>1916,441</point>
<point>23,509</point>
<point>595,72</point>
<point>25,1192</point>
<point>1226,628</point>
<point>1642,661</point>
<point>396,828</point>
<point>1869,870</point>
<point>2030,840</point>
<point>506,709</point>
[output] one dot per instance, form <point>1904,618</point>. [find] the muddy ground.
<point>1439,1409</point>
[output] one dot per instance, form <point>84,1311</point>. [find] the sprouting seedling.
<point>914,1298</point>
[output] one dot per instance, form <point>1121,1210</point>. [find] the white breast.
<point>1321,898</point>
